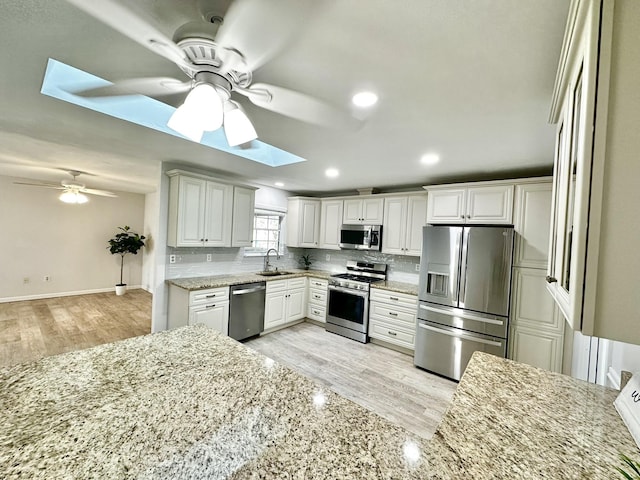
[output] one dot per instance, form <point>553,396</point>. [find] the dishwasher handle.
<point>248,290</point>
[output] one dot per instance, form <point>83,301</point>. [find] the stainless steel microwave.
<point>361,237</point>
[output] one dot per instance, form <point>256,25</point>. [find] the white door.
<point>492,204</point>
<point>372,211</point>
<point>243,207</point>
<point>274,309</point>
<point>310,224</point>
<point>531,219</point>
<point>215,316</point>
<point>191,211</point>
<point>352,213</point>
<point>218,212</point>
<point>330,221</point>
<point>446,206</point>
<point>416,219</point>
<point>395,225</point>
<point>296,308</point>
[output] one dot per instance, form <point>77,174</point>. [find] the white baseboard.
<point>62,294</point>
<point>614,378</point>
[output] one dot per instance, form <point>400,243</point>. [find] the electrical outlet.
<point>172,259</point>
<point>417,267</point>
<point>47,278</point>
<point>208,257</point>
<point>328,257</point>
<point>26,280</point>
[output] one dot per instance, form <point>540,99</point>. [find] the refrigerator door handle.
<point>463,266</point>
<point>462,315</point>
<point>461,336</point>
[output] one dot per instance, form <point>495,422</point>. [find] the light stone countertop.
<point>215,281</point>
<point>189,403</point>
<point>510,420</point>
<point>399,287</point>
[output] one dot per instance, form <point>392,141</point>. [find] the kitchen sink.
<point>274,273</point>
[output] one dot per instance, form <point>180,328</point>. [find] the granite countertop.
<point>188,404</point>
<point>200,283</point>
<point>510,420</point>
<point>400,287</point>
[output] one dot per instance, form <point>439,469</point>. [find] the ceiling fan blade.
<point>300,106</point>
<point>151,87</point>
<point>45,185</point>
<point>259,29</point>
<point>133,24</point>
<point>100,193</point>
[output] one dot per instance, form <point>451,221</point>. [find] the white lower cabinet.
<point>537,328</point>
<point>392,317</point>
<point>285,302</point>
<point>209,307</point>
<point>317,299</point>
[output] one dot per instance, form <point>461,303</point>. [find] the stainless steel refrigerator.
<point>464,290</point>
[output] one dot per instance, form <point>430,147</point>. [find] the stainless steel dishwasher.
<point>246,313</point>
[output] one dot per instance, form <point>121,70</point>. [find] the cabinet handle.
<point>393,314</point>
<point>209,306</point>
<point>202,239</point>
<point>391,333</point>
<point>468,216</point>
<point>211,296</point>
<point>461,216</point>
<point>394,298</point>
<point>316,296</point>
<point>551,279</point>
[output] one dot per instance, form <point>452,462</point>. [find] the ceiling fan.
<point>219,56</point>
<point>72,191</point>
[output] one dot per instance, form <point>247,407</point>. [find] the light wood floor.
<point>381,380</point>
<point>33,329</point>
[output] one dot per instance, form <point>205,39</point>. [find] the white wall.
<point>40,235</point>
<point>151,226</point>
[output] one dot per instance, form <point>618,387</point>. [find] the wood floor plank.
<point>381,380</point>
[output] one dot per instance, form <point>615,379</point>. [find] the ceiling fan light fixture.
<point>183,122</point>
<point>70,196</point>
<point>201,112</point>
<point>237,127</point>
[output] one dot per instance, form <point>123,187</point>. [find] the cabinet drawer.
<point>211,295</point>
<point>316,312</point>
<point>318,297</point>
<point>393,298</point>
<point>318,283</point>
<point>276,286</point>
<point>390,333</point>
<point>396,315</point>
<point>299,282</point>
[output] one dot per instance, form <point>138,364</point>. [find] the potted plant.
<point>123,243</point>
<point>306,261</point>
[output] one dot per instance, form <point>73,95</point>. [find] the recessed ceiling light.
<point>331,172</point>
<point>365,99</point>
<point>429,159</point>
<point>279,184</point>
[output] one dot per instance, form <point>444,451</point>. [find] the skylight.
<point>61,79</point>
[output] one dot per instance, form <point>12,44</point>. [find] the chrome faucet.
<point>267,265</point>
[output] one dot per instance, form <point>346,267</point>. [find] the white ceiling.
<point>468,79</point>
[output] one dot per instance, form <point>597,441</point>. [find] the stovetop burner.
<point>359,275</point>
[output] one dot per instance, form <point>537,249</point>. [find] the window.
<point>266,232</point>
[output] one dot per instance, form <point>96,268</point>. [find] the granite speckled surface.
<point>188,404</point>
<point>200,283</point>
<point>510,420</point>
<point>400,287</point>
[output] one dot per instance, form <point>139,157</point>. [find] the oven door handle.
<point>461,336</point>
<point>358,293</point>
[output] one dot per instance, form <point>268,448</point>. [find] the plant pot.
<point>121,289</point>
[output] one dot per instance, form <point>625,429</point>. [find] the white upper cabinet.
<point>363,211</point>
<point>303,222</point>
<point>207,213</point>
<point>330,221</point>
<point>404,217</point>
<point>595,228</point>
<point>481,204</point>
<point>243,208</point>
<point>531,221</point>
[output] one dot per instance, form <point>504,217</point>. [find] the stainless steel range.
<point>348,299</point>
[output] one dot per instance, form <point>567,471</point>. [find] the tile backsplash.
<point>192,262</point>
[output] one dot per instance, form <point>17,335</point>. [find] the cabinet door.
<point>296,306</point>
<point>243,206</point>
<point>492,204</point>
<point>309,224</point>
<point>395,225</point>
<point>531,221</point>
<point>274,309</point>
<point>416,219</point>
<point>446,206</point>
<point>218,212</point>
<point>191,212</point>
<point>540,349</point>
<point>330,221</point>
<point>352,213</point>
<point>372,211</point>
<point>215,316</point>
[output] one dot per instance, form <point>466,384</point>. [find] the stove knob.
<point>361,287</point>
